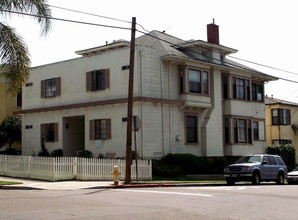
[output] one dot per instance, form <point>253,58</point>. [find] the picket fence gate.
<point>70,168</point>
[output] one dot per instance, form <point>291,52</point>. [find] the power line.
<point>96,15</point>
<point>117,27</point>
<point>263,65</point>
<point>87,13</point>
<point>65,20</point>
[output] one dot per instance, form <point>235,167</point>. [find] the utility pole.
<point>130,104</point>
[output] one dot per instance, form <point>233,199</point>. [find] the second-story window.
<point>51,87</point>
<point>98,80</point>
<point>281,116</point>
<point>257,92</point>
<point>19,98</point>
<point>238,88</point>
<point>198,81</point>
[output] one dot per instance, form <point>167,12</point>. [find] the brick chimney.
<point>212,33</point>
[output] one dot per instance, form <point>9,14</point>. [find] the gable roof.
<point>178,48</point>
<point>272,101</point>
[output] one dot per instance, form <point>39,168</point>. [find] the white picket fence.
<point>70,168</point>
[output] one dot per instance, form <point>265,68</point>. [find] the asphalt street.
<point>266,201</point>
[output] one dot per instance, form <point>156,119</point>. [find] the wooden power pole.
<point>130,104</point>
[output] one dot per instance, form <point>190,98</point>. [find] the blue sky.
<point>262,31</point>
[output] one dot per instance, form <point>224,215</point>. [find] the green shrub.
<point>186,164</point>
<point>57,153</point>
<point>44,152</point>
<point>10,151</point>
<point>286,151</point>
<point>161,168</point>
<point>85,153</point>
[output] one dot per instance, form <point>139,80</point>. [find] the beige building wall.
<point>8,101</point>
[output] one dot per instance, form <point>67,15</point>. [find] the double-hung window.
<point>51,87</point>
<point>257,92</point>
<point>191,129</point>
<point>238,88</point>
<point>198,81</point>
<point>100,129</point>
<point>194,77</point>
<point>281,116</point>
<point>49,132</point>
<point>242,130</point>
<point>98,80</point>
<point>256,130</point>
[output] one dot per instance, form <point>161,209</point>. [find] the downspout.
<point>169,106</point>
<point>162,106</point>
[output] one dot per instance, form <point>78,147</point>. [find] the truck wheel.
<point>256,180</point>
<point>280,179</point>
<point>230,181</point>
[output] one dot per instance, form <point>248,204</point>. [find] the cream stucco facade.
<point>188,97</point>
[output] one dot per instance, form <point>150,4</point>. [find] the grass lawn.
<point>2,183</point>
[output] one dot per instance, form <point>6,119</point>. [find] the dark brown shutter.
<point>108,129</point>
<point>91,129</point>
<point>288,115</point>
<point>42,89</point>
<point>107,78</point>
<point>43,133</point>
<point>55,131</point>
<point>88,81</point>
<point>58,86</point>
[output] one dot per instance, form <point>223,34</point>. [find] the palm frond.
<point>14,58</point>
<point>40,8</point>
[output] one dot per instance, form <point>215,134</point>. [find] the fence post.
<point>75,167</point>
<point>54,169</point>
<point>5,164</point>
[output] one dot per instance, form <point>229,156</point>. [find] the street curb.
<point>121,186</point>
<point>152,185</point>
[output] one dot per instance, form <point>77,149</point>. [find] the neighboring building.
<point>281,122</point>
<point>189,99</point>
<point>9,103</point>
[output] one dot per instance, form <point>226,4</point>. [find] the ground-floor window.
<point>237,130</point>
<point>191,129</point>
<point>49,132</point>
<point>256,130</point>
<point>100,129</point>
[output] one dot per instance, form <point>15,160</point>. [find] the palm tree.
<point>14,54</point>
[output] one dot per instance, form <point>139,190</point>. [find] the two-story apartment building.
<point>189,97</point>
<point>281,122</point>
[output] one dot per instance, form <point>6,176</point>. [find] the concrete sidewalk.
<point>75,185</point>
<point>61,185</point>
